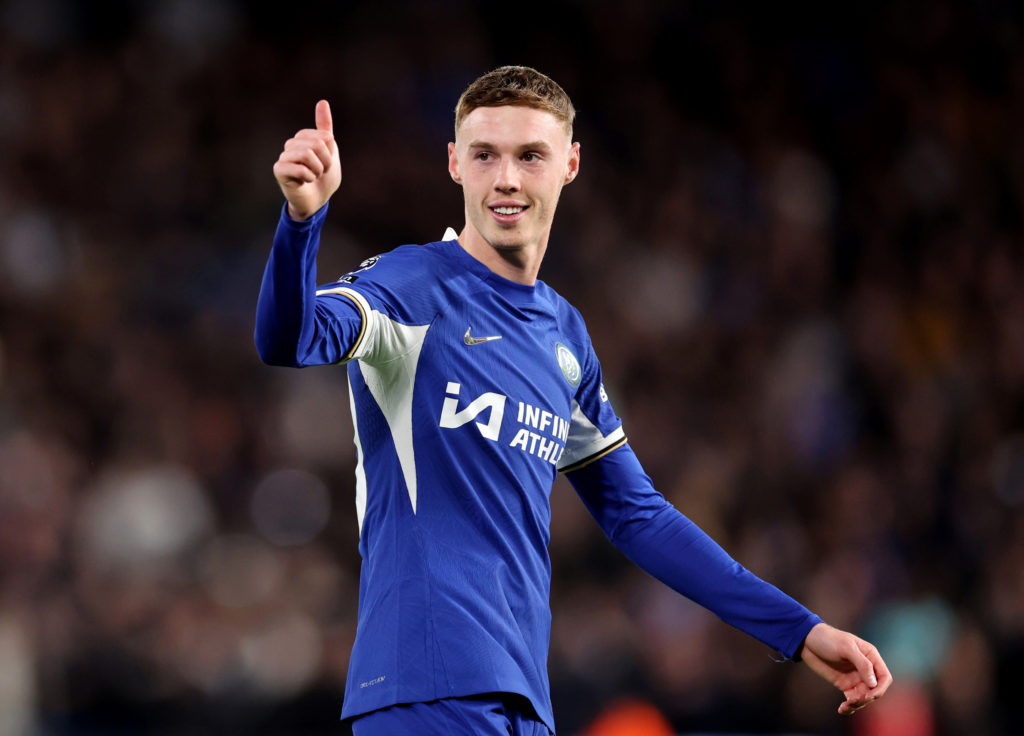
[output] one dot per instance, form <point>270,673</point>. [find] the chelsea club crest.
<point>569,365</point>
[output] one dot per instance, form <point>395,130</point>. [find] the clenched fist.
<point>309,168</point>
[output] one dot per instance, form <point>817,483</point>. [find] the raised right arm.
<point>295,327</point>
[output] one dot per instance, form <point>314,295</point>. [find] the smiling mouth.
<point>508,210</point>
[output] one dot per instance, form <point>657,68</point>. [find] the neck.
<point>519,263</point>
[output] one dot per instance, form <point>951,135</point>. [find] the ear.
<point>573,167</point>
<point>453,164</point>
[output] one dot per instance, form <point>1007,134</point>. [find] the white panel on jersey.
<point>585,439</point>
<point>360,470</point>
<point>450,234</point>
<point>389,354</point>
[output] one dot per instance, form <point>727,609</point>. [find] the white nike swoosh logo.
<point>470,340</point>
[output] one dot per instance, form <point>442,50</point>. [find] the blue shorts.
<point>493,714</point>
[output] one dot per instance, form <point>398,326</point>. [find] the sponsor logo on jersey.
<point>569,365</point>
<point>540,433</point>
<point>452,417</point>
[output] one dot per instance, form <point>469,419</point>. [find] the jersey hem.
<point>544,716</point>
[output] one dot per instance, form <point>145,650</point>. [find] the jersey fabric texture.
<point>468,393</point>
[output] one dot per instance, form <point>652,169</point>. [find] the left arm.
<point>651,532</point>
<point>657,537</point>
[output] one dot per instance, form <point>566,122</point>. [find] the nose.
<point>507,176</point>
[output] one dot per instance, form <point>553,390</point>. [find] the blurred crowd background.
<point>797,241</point>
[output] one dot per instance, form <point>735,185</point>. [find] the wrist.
<point>296,215</point>
<point>312,221</point>
<point>303,217</point>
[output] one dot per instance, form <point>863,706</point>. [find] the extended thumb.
<point>324,121</point>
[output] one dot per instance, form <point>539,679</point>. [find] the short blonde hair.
<point>516,85</point>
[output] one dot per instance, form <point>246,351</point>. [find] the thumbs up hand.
<point>309,168</point>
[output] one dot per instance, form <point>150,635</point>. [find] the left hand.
<point>848,662</point>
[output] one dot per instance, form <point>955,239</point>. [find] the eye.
<point>483,156</point>
<point>530,157</point>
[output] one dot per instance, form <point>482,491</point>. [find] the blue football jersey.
<point>469,392</point>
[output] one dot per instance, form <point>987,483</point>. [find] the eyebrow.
<point>531,146</point>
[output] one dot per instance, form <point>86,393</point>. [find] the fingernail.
<point>873,681</point>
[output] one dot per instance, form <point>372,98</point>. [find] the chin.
<point>506,241</point>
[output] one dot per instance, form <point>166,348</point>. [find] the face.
<point>512,163</point>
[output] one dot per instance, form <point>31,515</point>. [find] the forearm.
<point>662,541</point>
<point>293,326</point>
<point>676,551</point>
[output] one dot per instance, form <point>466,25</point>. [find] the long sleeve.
<point>657,537</point>
<point>294,325</point>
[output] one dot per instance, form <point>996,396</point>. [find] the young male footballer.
<point>472,384</point>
